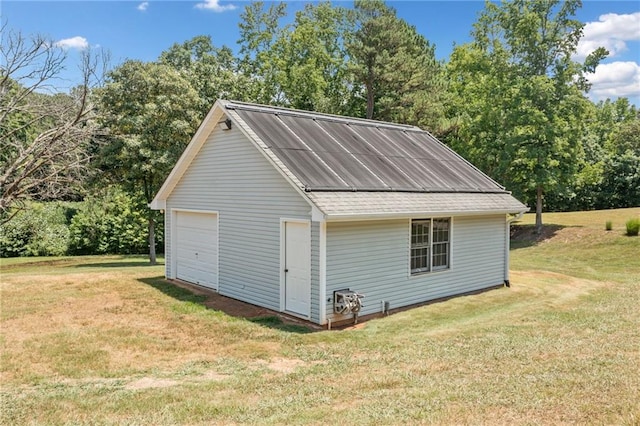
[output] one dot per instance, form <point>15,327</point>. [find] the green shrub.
<point>110,223</point>
<point>41,229</point>
<point>608,225</point>
<point>633,227</point>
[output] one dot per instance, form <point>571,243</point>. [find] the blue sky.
<point>143,29</point>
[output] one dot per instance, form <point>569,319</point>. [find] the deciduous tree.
<point>311,59</point>
<point>47,137</point>
<point>214,72</point>
<point>151,111</point>
<point>521,95</point>
<point>259,32</point>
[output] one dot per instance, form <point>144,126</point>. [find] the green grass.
<point>580,247</point>
<point>116,344</point>
<point>73,264</point>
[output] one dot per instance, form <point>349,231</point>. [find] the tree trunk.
<point>369,91</point>
<point>152,239</point>
<point>369,101</point>
<point>539,211</point>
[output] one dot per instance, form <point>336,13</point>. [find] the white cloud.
<point>617,79</point>
<point>76,42</point>
<point>143,6</point>
<point>215,6</point>
<point>611,31</point>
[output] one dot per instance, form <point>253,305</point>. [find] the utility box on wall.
<point>347,302</point>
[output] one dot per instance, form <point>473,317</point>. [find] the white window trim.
<point>431,270</point>
<point>429,247</point>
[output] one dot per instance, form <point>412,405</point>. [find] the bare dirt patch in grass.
<point>213,376</point>
<point>150,382</point>
<point>284,365</point>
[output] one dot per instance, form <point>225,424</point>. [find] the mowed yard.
<point>105,340</point>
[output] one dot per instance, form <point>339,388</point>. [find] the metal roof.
<point>332,153</point>
<point>350,168</point>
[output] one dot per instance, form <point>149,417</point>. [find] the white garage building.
<point>283,208</point>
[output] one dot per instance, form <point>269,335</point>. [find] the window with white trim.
<point>430,245</point>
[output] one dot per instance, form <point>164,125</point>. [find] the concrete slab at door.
<point>197,248</point>
<point>297,267</point>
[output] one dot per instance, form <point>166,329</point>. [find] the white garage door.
<point>197,248</point>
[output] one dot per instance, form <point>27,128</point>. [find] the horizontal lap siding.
<point>168,256</point>
<point>373,258</point>
<point>229,175</point>
<point>315,272</point>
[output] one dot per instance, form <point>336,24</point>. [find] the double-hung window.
<point>430,245</point>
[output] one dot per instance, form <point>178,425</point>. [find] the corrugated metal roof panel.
<point>354,172</point>
<point>309,169</point>
<point>329,153</point>
<point>453,161</point>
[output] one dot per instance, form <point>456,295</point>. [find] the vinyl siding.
<point>230,176</point>
<point>315,272</point>
<point>373,258</point>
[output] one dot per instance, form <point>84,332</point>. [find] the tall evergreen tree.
<point>396,67</point>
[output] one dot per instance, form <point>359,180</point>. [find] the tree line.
<point>512,101</point>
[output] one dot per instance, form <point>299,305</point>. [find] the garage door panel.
<point>201,256</point>
<point>197,248</point>
<point>198,263</point>
<point>195,237</point>
<point>197,221</point>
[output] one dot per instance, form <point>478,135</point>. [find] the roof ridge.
<point>317,115</point>
<point>377,155</point>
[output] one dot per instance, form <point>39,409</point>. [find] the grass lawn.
<point>105,340</point>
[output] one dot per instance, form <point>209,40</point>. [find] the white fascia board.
<point>157,204</point>
<point>316,213</point>
<point>199,138</point>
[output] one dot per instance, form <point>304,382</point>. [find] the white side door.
<point>297,268</point>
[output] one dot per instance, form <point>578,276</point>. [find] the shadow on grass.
<point>523,236</point>
<point>234,308</point>
<point>117,264</point>
<point>171,290</point>
<point>277,323</point>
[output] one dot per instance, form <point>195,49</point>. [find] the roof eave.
<point>346,217</point>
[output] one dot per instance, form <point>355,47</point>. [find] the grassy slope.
<point>113,343</point>
<point>580,246</point>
